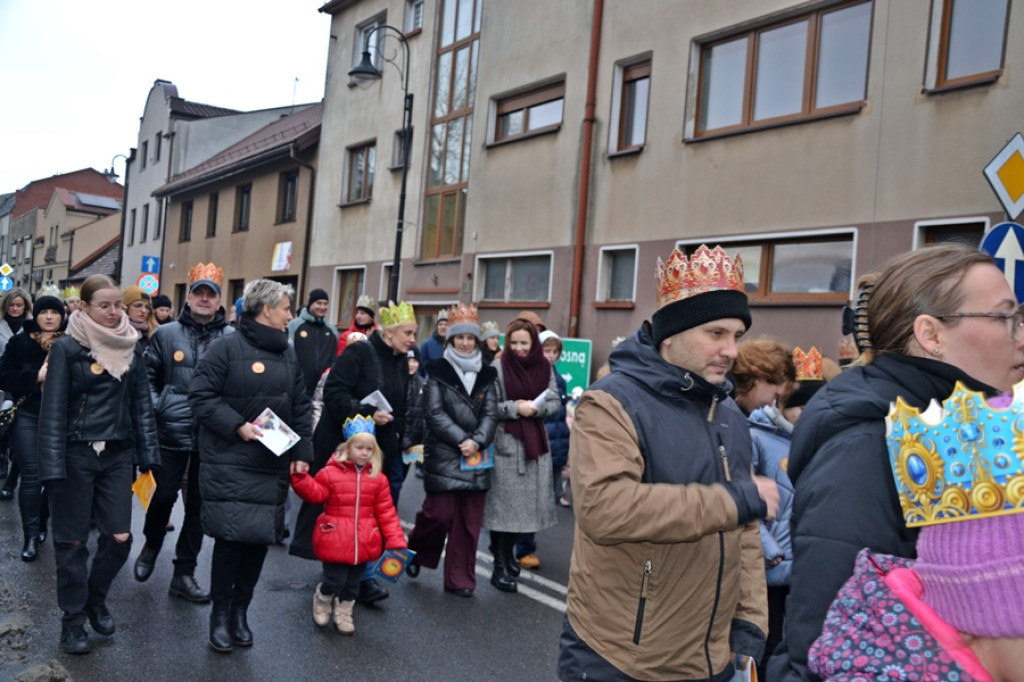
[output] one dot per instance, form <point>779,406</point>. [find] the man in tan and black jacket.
<point>667,577</point>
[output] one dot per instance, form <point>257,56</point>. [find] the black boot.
<point>220,627</point>
<point>31,548</point>
<point>241,635</point>
<point>501,577</point>
<point>370,591</point>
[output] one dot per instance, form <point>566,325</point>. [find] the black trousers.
<point>98,487</point>
<point>173,465</point>
<point>25,453</point>
<point>234,572</point>
<point>342,580</point>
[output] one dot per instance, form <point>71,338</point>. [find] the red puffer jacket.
<point>357,510</point>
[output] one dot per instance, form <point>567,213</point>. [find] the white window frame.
<point>921,227</point>
<point>360,38</point>
<point>604,273</point>
<point>346,198</point>
<point>717,240</point>
<point>480,264</point>
<point>412,21</point>
<point>615,116</point>
<point>385,281</point>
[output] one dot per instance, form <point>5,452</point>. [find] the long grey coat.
<point>520,499</point>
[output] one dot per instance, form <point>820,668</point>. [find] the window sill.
<point>614,305</point>
<point>522,305</point>
<point>395,168</point>
<point>413,33</point>
<point>631,151</point>
<point>964,83</point>
<point>358,202</point>
<point>284,221</point>
<point>546,130</point>
<point>437,261</point>
<point>848,110</point>
<point>238,230</point>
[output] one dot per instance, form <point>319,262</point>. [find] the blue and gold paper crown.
<point>397,313</point>
<point>963,460</point>
<point>359,424</point>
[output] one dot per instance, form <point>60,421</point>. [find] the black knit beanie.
<point>48,303</point>
<point>694,311</point>
<point>317,295</point>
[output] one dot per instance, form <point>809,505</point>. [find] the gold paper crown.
<point>808,365</point>
<point>964,460</point>
<point>847,349</point>
<point>72,292</point>
<point>397,313</point>
<point>366,301</point>
<point>462,314</point>
<point>707,270</point>
<point>208,272</point>
<point>488,327</point>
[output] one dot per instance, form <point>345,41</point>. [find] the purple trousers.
<point>457,516</point>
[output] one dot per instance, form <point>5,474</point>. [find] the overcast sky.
<point>75,74</point>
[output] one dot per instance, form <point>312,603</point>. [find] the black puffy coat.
<point>453,416</point>
<point>80,404</point>
<point>19,368</point>
<point>558,428</point>
<point>243,483</point>
<point>173,352</point>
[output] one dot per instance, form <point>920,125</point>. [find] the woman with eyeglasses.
<point>96,419</point>
<point>934,317</point>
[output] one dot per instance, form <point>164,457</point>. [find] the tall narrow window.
<point>185,235</point>
<point>157,144</point>
<point>635,89</point>
<point>131,228</point>
<point>211,214</point>
<point>145,222</point>
<point>145,154</point>
<point>158,225</point>
<point>413,15</point>
<point>451,129</point>
<point>243,204</point>
<point>287,196</point>
<point>973,35</point>
<point>361,161</point>
<point>367,39</point>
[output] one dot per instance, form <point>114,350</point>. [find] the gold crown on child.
<point>359,424</point>
<point>397,313</point>
<point>707,270</point>
<point>963,460</point>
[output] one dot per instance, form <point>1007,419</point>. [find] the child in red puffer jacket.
<point>357,512</point>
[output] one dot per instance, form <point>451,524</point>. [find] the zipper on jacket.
<point>725,457</point>
<point>714,607</point>
<point>648,569</point>
<point>355,531</point>
<point>711,412</point>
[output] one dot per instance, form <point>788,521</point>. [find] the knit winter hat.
<point>133,294</point>
<point>317,295</point>
<point>161,301</point>
<point>973,574</point>
<point>48,303</point>
<point>489,329</point>
<point>695,291</point>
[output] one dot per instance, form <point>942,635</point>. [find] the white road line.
<point>525,575</point>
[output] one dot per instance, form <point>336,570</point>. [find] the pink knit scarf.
<point>112,348</point>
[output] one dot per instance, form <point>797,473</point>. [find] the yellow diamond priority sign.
<point>6,269</point>
<point>1006,175</point>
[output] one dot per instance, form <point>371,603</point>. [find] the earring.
<point>935,351</point>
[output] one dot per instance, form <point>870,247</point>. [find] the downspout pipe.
<point>301,294</point>
<point>583,196</point>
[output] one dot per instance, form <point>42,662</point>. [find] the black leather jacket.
<point>171,358</point>
<point>81,405</point>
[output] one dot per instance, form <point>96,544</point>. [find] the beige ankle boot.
<point>343,616</point>
<point>322,607</point>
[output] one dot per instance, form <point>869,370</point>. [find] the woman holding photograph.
<point>243,483</point>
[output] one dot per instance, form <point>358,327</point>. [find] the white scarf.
<point>112,348</point>
<point>466,366</point>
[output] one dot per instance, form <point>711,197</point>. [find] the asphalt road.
<point>420,632</point>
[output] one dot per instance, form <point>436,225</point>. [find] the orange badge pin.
<point>303,333</point>
<point>96,368</point>
<point>179,355</point>
<point>258,367</point>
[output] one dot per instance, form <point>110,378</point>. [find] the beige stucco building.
<point>560,148</point>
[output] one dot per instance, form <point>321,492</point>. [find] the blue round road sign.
<point>1005,243</point>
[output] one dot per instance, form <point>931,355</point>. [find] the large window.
<point>185,234</point>
<point>348,283</point>
<point>799,269</point>
<point>211,214</point>
<point>811,65</point>
<point>413,15</point>
<point>616,275</point>
<point>968,45</point>
<point>243,205</point>
<point>287,196</point>
<point>367,38</point>
<point>630,95</point>
<point>361,160</point>
<point>513,279</point>
<point>451,129</point>
<point>529,112</point>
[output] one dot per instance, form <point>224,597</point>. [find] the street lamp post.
<point>366,73</point>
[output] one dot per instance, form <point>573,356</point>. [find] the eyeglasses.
<point>105,306</point>
<point>1015,318</point>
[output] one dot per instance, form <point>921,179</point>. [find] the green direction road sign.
<point>574,365</point>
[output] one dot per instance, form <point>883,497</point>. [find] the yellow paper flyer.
<point>144,486</point>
